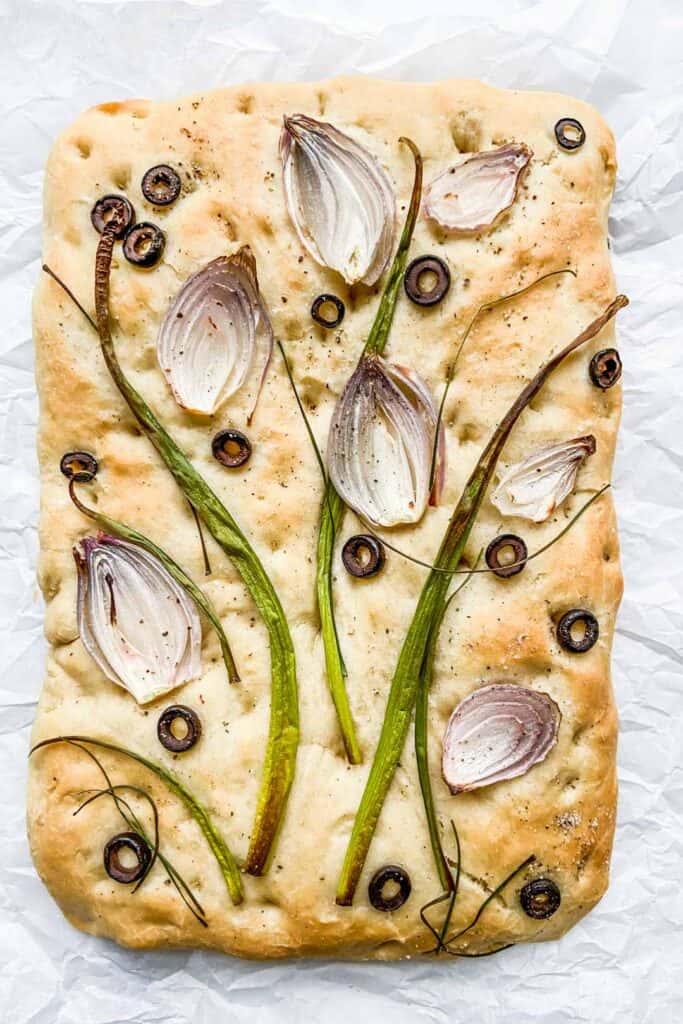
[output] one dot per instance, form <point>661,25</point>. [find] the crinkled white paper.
<point>623,962</point>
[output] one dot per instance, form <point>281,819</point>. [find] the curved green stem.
<point>217,844</point>
<point>405,683</point>
<point>333,509</point>
<point>133,536</point>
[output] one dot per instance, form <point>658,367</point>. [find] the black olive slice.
<point>414,279</point>
<point>591,630</point>
<point>570,133</point>
<point>144,245</point>
<point>110,209</point>
<point>605,368</point>
<point>168,718</point>
<point>161,185</point>
<point>363,555</point>
<point>397,879</point>
<point>540,898</point>
<point>232,448</point>
<point>112,862</point>
<point>506,542</point>
<point>318,311</point>
<point>78,466</point>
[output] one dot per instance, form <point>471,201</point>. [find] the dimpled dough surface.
<point>225,145</point>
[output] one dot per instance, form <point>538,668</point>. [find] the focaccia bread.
<point>559,807</point>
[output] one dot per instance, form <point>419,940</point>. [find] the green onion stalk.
<point>333,508</point>
<point>410,667</point>
<point>283,734</point>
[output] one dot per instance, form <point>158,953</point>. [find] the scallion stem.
<point>217,844</point>
<point>333,508</point>
<point>404,687</point>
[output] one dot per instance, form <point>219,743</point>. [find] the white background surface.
<point>623,963</point>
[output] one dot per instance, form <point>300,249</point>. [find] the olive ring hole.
<point>231,448</point>
<point>570,133</point>
<point>427,280</point>
<point>363,556</point>
<point>577,630</point>
<point>506,555</point>
<point>327,311</point>
<point>127,857</point>
<point>389,888</point>
<point>179,728</point>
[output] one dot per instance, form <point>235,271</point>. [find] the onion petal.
<point>499,732</point>
<point>475,194</point>
<point>216,334</point>
<point>381,442</point>
<point>135,621</point>
<point>536,486</point>
<point>339,199</point>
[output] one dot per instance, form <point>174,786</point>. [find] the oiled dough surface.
<point>224,143</point>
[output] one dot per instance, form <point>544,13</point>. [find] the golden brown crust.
<point>225,145</point>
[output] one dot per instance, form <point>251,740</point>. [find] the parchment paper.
<point>623,963</point>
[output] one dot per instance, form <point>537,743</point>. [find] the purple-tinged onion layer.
<point>499,732</point>
<point>135,621</point>
<point>216,334</point>
<point>381,441</point>
<point>473,195</point>
<point>536,486</point>
<point>339,199</point>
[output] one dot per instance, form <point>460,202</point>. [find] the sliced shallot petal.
<point>473,195</point>
<point>536,486</point>
<point>381,442</point>
<point>339,199</point>
<point>135,621</point>
<point>499,732</point>
<point>216,334</point>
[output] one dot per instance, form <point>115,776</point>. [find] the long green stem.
<point>406,678</point>
<point>283,733</point>
<point>333,508</point>
<point>133,536</point>
<point>217,844</point>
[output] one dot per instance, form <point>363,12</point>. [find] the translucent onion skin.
<point>216,334</point>
<point>499,732</point>
<point>135,621</point>
<point>474,195</point>
<point>339,199</point>
<point>380,446</point>
<point>535,487</point>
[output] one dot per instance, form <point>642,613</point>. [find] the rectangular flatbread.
<point>559,808</point>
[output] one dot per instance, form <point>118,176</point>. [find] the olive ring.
<point>179,713</point>
<point>590,633</point>
<point>413,275</point>
<point>231,448</point>
<point>378,882</point>
<point>318,315</point>
<point>499,544</point>
<point>78,466</point>
<point>570,133</point>
<point>363,555</point>
<point>134,842</point>
<point>605,368</point>
<point>116,211</point>
<point>144,244</point>
<point>540,898</point>
<point>161,185</point>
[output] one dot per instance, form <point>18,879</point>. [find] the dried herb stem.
<point>404,687</point>
<point>127,533</point>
